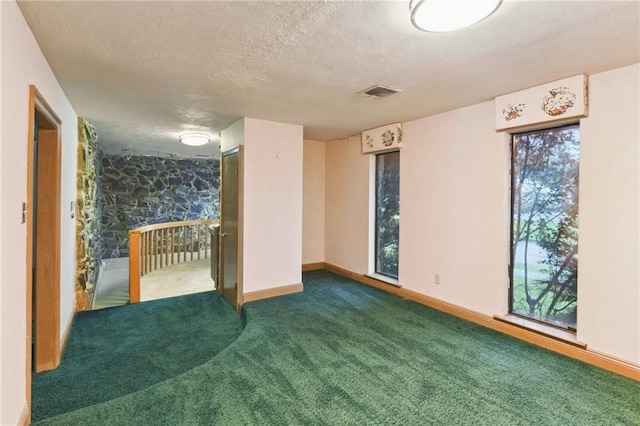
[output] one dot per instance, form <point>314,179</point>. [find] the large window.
<point>544,225</point>
<point>387,213</point>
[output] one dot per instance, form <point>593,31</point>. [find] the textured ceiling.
<point>144,72</point>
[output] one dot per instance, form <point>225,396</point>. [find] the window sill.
<point>543,329</point>
<point>384,279</point>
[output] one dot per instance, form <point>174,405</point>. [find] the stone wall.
<point>88,210</point>
<point>141,190</point>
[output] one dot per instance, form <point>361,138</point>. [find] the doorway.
<point>230,285</point>
<point>42,218</point>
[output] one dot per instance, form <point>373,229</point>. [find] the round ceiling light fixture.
<point>195,139</point>
<point>449,15</point>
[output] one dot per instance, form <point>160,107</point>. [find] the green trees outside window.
<point>387,213</point>
<point>544,226</point>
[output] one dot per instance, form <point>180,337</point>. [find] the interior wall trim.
<point>65,336</point>
<point>240,296</point>
<point>598,359</point>
<point>312,266</point>
<point>47,315</point>
<point>273,292</point>
<point>25,417</point>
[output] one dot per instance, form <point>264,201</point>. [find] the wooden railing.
<point>153,247</point>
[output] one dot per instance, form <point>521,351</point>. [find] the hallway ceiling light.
<point>195,139</point>
<point>449,15</point>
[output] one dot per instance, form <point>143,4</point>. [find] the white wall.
<point>608,276</point>
<point>2,346</point>
<point>454,209</point>
<point>24,64</point>
<point>2,411</point>
<point>232,136</point>
<point>313,181</point>
<point>272,205</point>
<point>453,190</point>
<point>346,235</point>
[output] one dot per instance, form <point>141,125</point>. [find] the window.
<point>544,225</point>
<point>387,229</point>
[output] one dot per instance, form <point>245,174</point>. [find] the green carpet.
<point>117,351</point>
<point>343,353</point>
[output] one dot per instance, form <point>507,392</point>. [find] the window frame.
<point>376,244</point>
<point>512,252</point>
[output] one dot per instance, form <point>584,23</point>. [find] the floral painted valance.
<point>380,139</point>
<point>549,102</point>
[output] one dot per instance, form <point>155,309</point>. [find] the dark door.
<point>229,214</point>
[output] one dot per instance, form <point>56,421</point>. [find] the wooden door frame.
<point>48,293</point>
<point>239,267</point>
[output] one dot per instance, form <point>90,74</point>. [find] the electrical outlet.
<point>436,279</point>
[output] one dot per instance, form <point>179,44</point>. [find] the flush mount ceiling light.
<point>449,15</point>
<point>195,139</point>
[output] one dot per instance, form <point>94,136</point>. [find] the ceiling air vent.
<point>378,92</point>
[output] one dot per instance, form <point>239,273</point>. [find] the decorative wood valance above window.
<point>559,100</point>
<point>380,139</point>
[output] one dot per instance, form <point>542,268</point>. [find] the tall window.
<point>387,213</point>
<point>544,225</point>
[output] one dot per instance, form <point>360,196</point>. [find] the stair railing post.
<point>134,266</point>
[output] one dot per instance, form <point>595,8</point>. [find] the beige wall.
<point>347,205</point>
<point>272,225</point>
<point>24,64</point>
<point>454,209</point>
<point>272,204</point>
<point>608,283</point>
<point>232,136</point>
<point>4,415</point>
<point>313,183</point>
<point>453,188</point>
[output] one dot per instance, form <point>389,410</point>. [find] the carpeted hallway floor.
<point>343,353</point>
<point>117,351</point>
